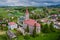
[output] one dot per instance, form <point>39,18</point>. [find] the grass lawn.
<point>49,36</point>
<point>20,37</point>
<point>3,35</point>
<point>41,36</point>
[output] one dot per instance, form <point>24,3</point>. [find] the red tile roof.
<point>31,22</point>
<point>11,23</point>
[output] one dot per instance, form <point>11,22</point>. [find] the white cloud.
<point>56,0</point>
<point>17,2</point>
<point>46,4</point>
<point>27,2</point>
<point>10,1</point>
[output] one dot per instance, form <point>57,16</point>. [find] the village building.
<point>12,25</point>
<point>45,20</point>
<point>30,23</point>
<point>21,19</point>
<point>11,35</point>
<point>3,23</point>
<point>57,24</point>
<point>54,17</point>
<point>21,30</point>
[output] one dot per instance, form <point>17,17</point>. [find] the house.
<point>30,23</point>
<point>54,16</point>
<point>44,20</point>
<point>57,25</point>
<point>21,30</point>
<point>11,35</point>
<point>3,23</point>
<point>21,19</point>
<point>12,25</point>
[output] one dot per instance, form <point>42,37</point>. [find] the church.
<point>30,23</point>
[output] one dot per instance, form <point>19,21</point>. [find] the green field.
<point>41,36</point>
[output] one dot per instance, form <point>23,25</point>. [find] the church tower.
<point>26,14</point>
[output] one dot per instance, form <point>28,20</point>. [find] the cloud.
<point>28,2</point>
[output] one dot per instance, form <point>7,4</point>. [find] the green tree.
<point>46,28</point>
<point>42,27</point>
<point>52,27</point>
<point>27,37</point>
<point>27,29</point>
<point>34,31</point>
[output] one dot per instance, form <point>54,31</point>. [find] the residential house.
<point>11,35</point>
<point>12,25</point>
<point>3,23</point>
<point>57,25</point>
<point>54,17</point>
<point>45,20</point>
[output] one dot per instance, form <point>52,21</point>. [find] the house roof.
<point>44,20</point>
<point>54,15</point>
<point>11,23</point>
<point>31,22</point>
<point>22,18</point>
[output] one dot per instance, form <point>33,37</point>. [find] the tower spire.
<point>27,14</point>
<point>27,11</point>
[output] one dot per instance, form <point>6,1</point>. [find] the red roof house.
<point>12,25</point>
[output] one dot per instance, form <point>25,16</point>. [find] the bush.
<point>27,29</point>
<point>52,27</point>
<point>27,37</point>
<point>45,28</point>
<point>3,37</point>
<point>34,31</point>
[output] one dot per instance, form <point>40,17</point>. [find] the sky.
<point>28,2</point>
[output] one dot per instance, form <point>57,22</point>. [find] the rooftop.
<point>31,22</point>
<point>11,23</point>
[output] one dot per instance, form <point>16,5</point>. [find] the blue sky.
<point>28,2</point>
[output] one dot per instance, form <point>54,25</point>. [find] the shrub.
<point>45,28</point>
<point>52,27</point>
<point>34,31</point>
<point>27,29</point>
<point>27,37</point>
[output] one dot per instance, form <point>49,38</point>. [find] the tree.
<point>27,29</point>
<point>46,28</point>
<point>27,37</point>
<point>42,27</point>
<point>34,30</point>
<point>52,27</point>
